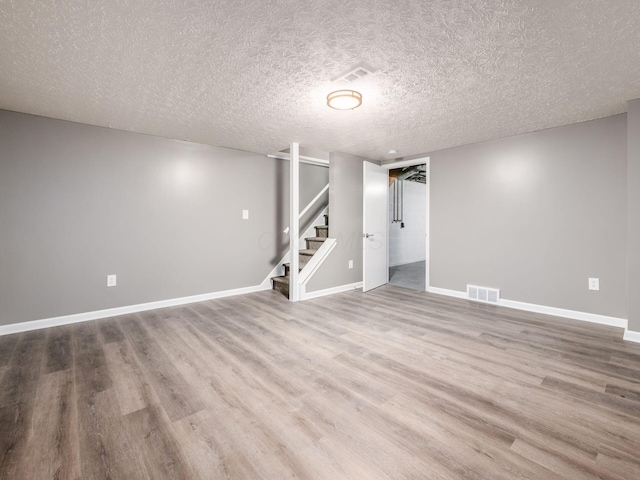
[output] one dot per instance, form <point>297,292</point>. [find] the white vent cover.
<point>483,294</point>
<point>353,76</point>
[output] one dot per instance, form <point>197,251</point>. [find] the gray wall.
<point>345,224</point>
<point>536,215</point>
<point>79,202</point>
<point>633,185</point>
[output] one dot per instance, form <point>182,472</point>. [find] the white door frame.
<point>409,163</point>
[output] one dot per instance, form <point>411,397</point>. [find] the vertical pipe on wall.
<point>393,200</point>
<point>401,214</point>
<point>294,221</point>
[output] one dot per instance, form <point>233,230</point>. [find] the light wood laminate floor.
<point>391,384</point>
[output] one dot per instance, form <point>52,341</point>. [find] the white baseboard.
<point>631,336</point>
<point>113,312</point>
<point>530,307</point>
<point>448,293</point>
<point>406,263</point>
<point>328,291</point>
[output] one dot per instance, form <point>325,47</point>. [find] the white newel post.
<point>294,221</point>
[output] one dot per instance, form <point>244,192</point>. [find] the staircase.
<point>281,284</point>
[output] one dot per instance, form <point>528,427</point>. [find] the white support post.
<point>294,222</point>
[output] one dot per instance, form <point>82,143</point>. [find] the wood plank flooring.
<point>392,384</point>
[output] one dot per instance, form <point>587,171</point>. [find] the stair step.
<point>314,242</point>
<point>322,231</point>
<point>305,256</point>
<point>281,284</point>
<point>287,267</point>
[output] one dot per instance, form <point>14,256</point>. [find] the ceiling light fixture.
<point>344,99</point>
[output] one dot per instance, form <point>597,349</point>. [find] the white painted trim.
<point>294,222</point>
<point>303,159</point>
<point>409,163</point>
<point>312,202</point>
<point>427,276</point>
<point>329,291</point>
<point>530,307</point>
<point>113,312</point>
<point>406,163</point>
<point>562,312</point>
<point>312,266</point>
<point>309,232</point>
<point>448,293</point>
<point>631,336</point>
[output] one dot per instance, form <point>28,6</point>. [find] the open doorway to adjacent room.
<point>408,226</point>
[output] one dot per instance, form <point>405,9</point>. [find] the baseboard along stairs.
<point>281,283</point>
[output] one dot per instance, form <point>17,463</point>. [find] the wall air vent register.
<point>483,294</point>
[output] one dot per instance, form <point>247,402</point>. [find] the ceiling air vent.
<point>483,294</point>
<point>354,75</point>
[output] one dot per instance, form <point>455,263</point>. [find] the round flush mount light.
<point>393,151</point>
<point>344,99</point>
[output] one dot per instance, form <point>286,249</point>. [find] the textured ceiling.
<point>254,74</point>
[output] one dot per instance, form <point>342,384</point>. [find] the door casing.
<point>409,163</point>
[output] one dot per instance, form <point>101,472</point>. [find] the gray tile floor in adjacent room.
<point>410,275</point>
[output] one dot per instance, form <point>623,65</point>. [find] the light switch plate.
<point>245,214</point>
<point>350,264</point>
<point>111,280</point>
<point>594,284</point>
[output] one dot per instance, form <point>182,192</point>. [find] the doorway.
<point>376,221</point>
<point>408,226</point>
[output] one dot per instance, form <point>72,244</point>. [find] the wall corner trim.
<point>329,291</point>
<point>114,312</point>
<point>631,336</point>
<point>558,312</point>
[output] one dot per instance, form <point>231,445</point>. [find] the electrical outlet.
<point>594,284</point>
<point>111,280</point>
<point>350,264</point>
<point>245,214</point>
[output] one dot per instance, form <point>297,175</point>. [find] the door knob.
<point>367,235</point>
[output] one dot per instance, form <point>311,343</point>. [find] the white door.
<point>376,210</point>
